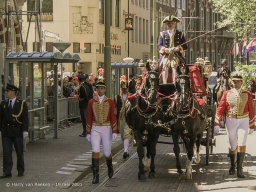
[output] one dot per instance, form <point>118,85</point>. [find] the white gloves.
<point>216,129</point>
<point>114,136</point>
<point>25,134</point>
<point>88,137</point>
<point>174,49</point>
<point>250,131</point>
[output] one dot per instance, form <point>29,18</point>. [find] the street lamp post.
<point>107,50</point>
<point>61,46</point>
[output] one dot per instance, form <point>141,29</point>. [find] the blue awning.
<point>124,65</point>
<point>47,57</point>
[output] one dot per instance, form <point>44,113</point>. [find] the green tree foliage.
<point>238,15</point>
<point>247,71</point>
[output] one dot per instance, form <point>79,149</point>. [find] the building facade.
<point>81,23</point>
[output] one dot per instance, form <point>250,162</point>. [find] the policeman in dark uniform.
<point>83,102</point>
<point>13,127</point>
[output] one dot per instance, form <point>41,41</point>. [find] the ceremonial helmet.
<point>100,83</point>
<point>236,76</point>
<point>223,61</point>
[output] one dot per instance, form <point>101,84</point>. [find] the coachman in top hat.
<point>170,41</point>
<point>13,127</point>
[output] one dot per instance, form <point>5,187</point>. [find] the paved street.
<point>205,178</point>
<point>54,164</point>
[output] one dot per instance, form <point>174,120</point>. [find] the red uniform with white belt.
<point>239,115</point>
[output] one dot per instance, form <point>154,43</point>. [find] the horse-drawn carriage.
<point>181,109</point>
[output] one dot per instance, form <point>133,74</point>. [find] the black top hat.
<point>100,83</point>
<point>10,87</point>
<point>223,61</point>
<point>81,77</point>
<point>86,76</point>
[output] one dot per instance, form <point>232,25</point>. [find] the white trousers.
<point>103,133</point>
<point>237,131</point>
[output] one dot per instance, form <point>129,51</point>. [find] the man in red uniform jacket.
<point>238,106</point>
<point>101,125</point>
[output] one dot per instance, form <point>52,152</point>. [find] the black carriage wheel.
<point>214,108</point>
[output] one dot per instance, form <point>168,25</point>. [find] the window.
<point>213,57</point>
<point>102,48</point>
<point>49,46</point>
<point>118,50</point>
<point>117,13</point>
<point>140,3</point>
<point>173,3</point>
<point>136,28</point>
<point>202,20</point>
<point>207,20</point>
<point>87,47</point>
<point>192,59</point>
<point>47,9</point>
<point>36,46</point>
<point>136,2</point>
<point>132,1</point>
<point>101,11</point>
<point>143,31</point>
<point>213,20</point>
<point>179,4</point>
<point>140,32</point>
<point>146,4</point>
<point>184,5</point>
<point>147,29</point>
<point>76,47</point>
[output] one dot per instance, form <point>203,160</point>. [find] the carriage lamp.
<point>207,68</point>
<point>141,64</point>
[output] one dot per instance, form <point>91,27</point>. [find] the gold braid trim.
<point>21,109</point>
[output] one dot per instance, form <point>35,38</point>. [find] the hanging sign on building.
<point>128,23</point>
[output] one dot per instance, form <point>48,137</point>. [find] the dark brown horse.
<point>143,110</point>
<point>191,120</point>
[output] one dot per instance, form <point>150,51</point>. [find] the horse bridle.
<point>182,92</point>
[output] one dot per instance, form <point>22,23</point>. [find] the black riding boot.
<point>110,168</point>
<point>95,169</point>
<point>232,169</point>
<point>240,160</point>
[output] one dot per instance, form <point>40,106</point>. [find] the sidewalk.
<point>49,162</point>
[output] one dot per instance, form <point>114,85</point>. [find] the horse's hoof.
<point>188,176</point>
<point>146,169</point>
<point>182,176</point>
<point>141,177</point>
<point>151,175</point>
